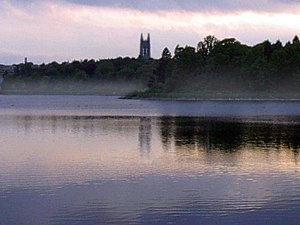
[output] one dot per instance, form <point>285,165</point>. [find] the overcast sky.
<point>64,30</point>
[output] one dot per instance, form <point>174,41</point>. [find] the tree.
<point>227,56</point>
<point>89,67</point>
<point>166,54</point>
<point>80,75</point>
<point>162,68</point>
<point>277,45</point>
<point>177,51</point>
<point>296,40</point>
<point>206,46</point>
<point>267,50</point>
<point>187,58</point>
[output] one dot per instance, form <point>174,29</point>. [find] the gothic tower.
<point>145,48</point>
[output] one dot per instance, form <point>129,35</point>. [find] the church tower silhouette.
<point>145,48</point>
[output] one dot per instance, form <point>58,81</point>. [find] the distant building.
<point>7,69</point>
<point>1,80</point>
<point>145,48</point>
<point>4,69</point>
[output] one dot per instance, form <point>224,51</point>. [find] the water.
<point>101,160</point>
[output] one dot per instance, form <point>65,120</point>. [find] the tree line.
<point>213,66</point>
<point>227,65</point>
<point>84,75</point>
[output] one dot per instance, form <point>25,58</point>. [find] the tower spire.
<point>145,48</point>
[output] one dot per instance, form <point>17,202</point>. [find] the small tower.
<point>145,48</point>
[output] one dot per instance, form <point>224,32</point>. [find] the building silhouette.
<point>145,48</point>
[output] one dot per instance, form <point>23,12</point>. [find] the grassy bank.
<point>219,86</point>
<point>217,95</point>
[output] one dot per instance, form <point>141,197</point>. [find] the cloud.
<point>179,5</point>
<point>70,29</point>
<point>194,5</point>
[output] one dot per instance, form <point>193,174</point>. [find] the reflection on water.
<point>229,136</point>
<point>145,134</point>
<point>148,170</point>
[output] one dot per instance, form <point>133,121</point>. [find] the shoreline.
<point>223,99</point>
<point>217,96</point>
<point>157,98</point>
<point>199,99</point>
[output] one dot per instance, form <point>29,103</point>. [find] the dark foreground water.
<point>100,160</point>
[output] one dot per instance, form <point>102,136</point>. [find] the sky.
<point>67,30</point>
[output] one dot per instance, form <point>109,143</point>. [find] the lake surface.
<point>102,160</point>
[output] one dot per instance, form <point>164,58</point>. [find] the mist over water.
<point>72,87</point>
<point>102,160</point>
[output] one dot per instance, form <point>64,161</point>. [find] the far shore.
<point>214,96</point>
<point>157,97</point>
<point>214,99</point>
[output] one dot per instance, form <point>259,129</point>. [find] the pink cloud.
<point>48,31</point>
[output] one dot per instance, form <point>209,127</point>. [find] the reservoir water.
<point>102,160</point>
